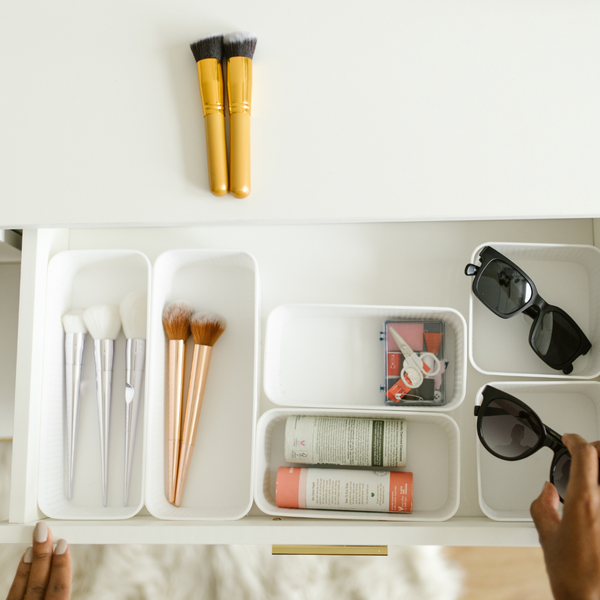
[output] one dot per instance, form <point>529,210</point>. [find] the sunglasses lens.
<point>561,474</point>
<point>508,429</point>
<point>503,288</point>
<point>556,339</point>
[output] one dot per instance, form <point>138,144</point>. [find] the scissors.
<point>414,368</point>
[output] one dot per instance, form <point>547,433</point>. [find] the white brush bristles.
<point>73,321</point>
<point>103,321</point>
<point>134,311</point>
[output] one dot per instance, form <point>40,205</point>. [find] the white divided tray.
<point>219,484</point>
<point>507,488</point>
<point>332,356</point>
<point>567,276</point>
<point>82,279</point>
<point>433,456</point>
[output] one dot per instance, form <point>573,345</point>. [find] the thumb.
<point>544,511</point>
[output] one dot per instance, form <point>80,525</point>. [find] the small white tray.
<point>219,485</point>
<point>507,488</point>
<point>433,456</point>
<point>331,355</point>
<point>567,276</point>
<point>81,279</point>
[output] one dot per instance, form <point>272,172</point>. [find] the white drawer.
<point>329,264</point>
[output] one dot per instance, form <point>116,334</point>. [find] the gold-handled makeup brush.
<point>206,329</point>
<point>208,53</point>
<point>176,321</point>
<point>239,49</point>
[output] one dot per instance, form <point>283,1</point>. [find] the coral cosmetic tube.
<point>344,489</point>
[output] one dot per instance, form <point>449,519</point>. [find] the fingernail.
<point>28,557</point>
<point>40,533</point>
<point>61,547</point>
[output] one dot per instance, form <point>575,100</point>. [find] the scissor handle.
<point>414,371</point>
<point>437,365</point>
<point>411,377</point>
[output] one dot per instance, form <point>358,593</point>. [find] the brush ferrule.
<point>239,84</point>
<point>74,344</point>
<point>210,78</point>
<point>135,358</point>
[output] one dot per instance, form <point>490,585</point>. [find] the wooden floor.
<point>502,573</point>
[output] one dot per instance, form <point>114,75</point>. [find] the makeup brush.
<point>206,329</point>
<point>133,309</point>
<point>103,323</point>
<point>239,49</point>
<point>176,321</point>
<point>75,331</point>
<point>208,53</point>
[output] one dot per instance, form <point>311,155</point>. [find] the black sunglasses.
<point>507,291</point>
<point>511,430</point>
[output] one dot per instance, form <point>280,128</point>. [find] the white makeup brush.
<point>134,309</point>
<point>75,331</point>
<point>103,323</point>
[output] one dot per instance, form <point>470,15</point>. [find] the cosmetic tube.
<point>344,489</point>
<point>345,441</point>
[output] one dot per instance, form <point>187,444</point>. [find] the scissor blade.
<point>404,347</point>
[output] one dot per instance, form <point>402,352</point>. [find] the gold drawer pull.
<point>281,550</point>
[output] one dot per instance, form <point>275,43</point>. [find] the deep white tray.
<point>433,456</point>
<point>219,485</point>
<point>507,488</point>
<point>567,276</point>
<point>81,279</point>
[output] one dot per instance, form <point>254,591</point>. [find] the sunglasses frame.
<point>548,438</point>
<point>536,307</point>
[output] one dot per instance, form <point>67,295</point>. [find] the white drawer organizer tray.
<point>433,456</point>
<point>567,276</point>
<point>219,485</point>
<point>507,488</point>
<point>331,355</point>
<point>82,279</point>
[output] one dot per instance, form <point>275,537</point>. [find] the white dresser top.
<point>386,110</point>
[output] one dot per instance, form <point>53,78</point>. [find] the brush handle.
<point>216,154</point>
<point>210,79</point>
<point>239,90</point>
<point>198,376</point>
<point>135,356</point>
<point>74,346</point>
<point>174,410</point>
<point>104,352</point>
<point>239,131</point>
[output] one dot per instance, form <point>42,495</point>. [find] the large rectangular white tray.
<point>81,279</point>
<point>332,355</point>
<point>219,485</point>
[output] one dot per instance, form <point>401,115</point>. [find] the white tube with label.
<point>344,489</point>
<point>345,441</point>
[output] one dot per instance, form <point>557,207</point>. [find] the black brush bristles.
<point>208,47</point>
<point>239,43</point>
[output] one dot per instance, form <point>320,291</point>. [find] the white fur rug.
<point>241,572</point>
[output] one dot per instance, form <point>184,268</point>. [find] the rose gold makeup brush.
<point>176,321</point>
<point>206,329</point>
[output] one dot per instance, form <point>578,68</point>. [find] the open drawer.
<point>362,264</point>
